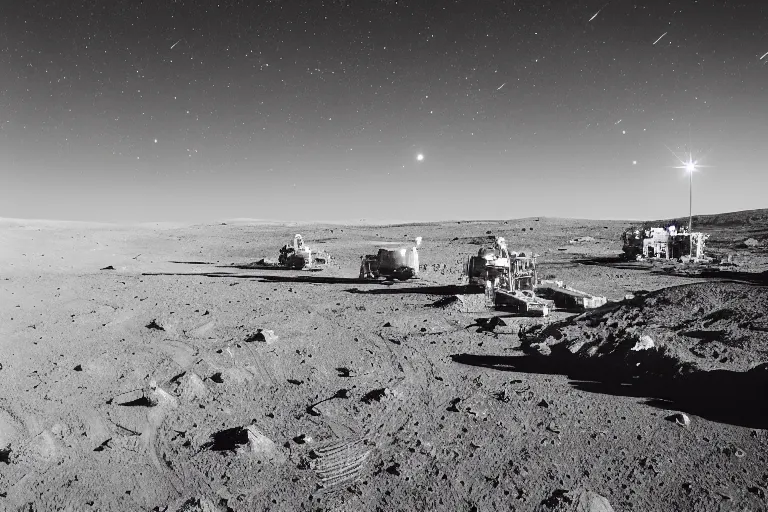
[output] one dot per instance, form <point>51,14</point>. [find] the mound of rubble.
<point>701,348</point>
<point>673,331</point>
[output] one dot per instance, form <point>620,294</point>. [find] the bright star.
<point>420,157</point>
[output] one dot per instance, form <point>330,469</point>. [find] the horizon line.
<point>359,222</point>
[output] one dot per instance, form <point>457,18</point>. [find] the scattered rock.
<point>543,403</point>
<point>751,242</point>
<point>541,348</point>
<point>342,393</point>
<point>245,440</point>
<point>581,240</point>
<point>552,427</point>
<point>563,500</point>
<point>387,325</point>
<point>503,395</point>
<point>344,371</point>
<point>589,501</point>
<point>374,396</point>
<point>193,505</point>
<point>394,469</point>
<point>444,302</point>
<point>103,445</point>
<point>190,386</point>
<point>558,498</point>
<point>302,439</point>
<point>680,418</point>
<point>263,335</point>
<point>644,343</point>
<point>159,397</point>
<point>454,403</point>
<point>263,446</point>
<point>154,325</point>
<point>489,324</point>
<point>110,267</point>
<point>229,439</point>
<point>78,368</point>
<point>5,454</point>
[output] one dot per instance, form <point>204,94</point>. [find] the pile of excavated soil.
<point>706,326</point>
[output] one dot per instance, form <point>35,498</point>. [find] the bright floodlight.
<point>419,157</point>
<point>690,166</point>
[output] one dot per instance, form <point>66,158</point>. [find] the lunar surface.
<point>156,367</point>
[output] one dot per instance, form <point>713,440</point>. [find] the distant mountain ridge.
<point>740,218</point>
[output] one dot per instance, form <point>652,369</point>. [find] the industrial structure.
<point>511,281</point>
<point>663,243</point>
<point>400,264</point>
<point>298,256</point>
<point>507,278</point>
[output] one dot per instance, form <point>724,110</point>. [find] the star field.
<point>173,110</point>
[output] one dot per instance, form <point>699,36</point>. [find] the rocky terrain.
<point>154,367</point>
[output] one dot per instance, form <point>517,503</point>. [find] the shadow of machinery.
<point>759,278</point>
<point>615,262</point>
<point>311,279</point>
<point>253,266</point>
<point>420,290</point>
<point>756,278</point>
<point>735,398</point>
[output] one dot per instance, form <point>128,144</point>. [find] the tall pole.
<point>690,200</point>
<point>690,212</point>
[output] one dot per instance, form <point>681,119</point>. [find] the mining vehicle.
<point>298,256</point>
<point>508,278</point>
<point>665,243</point>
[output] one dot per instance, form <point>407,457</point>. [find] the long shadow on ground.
<point>422,290</point>
<point>272,278</point>
<point>250,266</point>
<point>758,278</point>
<point>614,262</point>
<point>735,398</point>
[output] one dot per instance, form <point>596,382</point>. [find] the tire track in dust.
<point>340,462</point>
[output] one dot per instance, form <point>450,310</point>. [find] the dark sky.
<point>298,110</point>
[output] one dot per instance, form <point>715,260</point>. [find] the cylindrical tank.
<point>392,259</point>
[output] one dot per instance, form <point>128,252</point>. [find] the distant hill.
<point>732,219</point>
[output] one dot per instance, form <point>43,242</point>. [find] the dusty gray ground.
<point>422,423</point>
